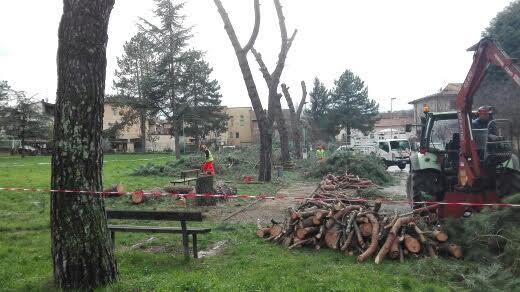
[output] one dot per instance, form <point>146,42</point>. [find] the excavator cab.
<point>494,143</point>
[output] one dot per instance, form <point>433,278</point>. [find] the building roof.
<point>452,89</point>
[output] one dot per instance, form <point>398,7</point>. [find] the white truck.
<point>391,151</point>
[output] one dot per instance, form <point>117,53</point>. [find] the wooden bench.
<point>187,176</point>
<point>160,216</point>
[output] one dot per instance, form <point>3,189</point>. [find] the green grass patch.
<point>247,263</point>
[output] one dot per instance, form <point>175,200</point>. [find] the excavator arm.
<point>487,52</point>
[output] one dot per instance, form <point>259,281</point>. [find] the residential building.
<point>241,125</point>
<point>390,125</point>
<point>438,102</point>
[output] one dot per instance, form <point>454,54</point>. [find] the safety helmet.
<point>484,110</point>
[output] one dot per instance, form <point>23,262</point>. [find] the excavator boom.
<point>487,52</point>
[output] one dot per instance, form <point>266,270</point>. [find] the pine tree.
<point>205,114</point>
<point>169,39</point>
<point>350,106</point>
<point>134,66</point>
<point>319,112</point>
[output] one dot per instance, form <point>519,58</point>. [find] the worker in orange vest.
<point>207,166</point>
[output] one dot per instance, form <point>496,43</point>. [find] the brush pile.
<point>344,182</point>
<point>341,187</point>
<point>360,230</point>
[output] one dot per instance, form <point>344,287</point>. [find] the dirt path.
<point>264,210</point>
<point>277,209</point>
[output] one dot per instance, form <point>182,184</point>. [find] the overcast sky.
<point>402,48</point>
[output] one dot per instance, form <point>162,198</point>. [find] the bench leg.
<point>113,236</point>
<point>195,252</point>
<point>185,240</point>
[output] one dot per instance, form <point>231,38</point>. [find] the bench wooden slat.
<point>154,215</point>
<point>156,229</point>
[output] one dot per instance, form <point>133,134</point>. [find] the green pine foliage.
<point>492,238</point>
<point>366,166</point>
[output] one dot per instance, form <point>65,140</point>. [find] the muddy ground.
<point>265,210</point>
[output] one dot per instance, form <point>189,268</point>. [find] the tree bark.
<point>204,186</point>
<point>177,141</point>
<point>82,251</point>
<point>142,120</point>
<point>295,118</point>
<point>276,114</point>
<point>266,139</point>
<point>273,79</point>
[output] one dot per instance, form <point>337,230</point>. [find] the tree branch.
<point>288,98</point>
<point>228,26</point>
<point>302,101</point>
<point>286,44</point>
<point>231,31</point>
<point>263,67</point>
<point>256,28</point>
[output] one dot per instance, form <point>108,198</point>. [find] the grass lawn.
<point>247,263</point>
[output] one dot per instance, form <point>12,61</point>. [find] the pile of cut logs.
<point>360,230</point>
<point>343,182</point>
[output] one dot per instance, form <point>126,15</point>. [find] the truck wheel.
<point>401,165</point>
<point>508,183</point>
<point>424,186</point>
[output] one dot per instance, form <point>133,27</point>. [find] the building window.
<point>231,121</point>
<point>237,135</point>
<point>231,135</point>
<point>114,111</point>
<point>242,121</point>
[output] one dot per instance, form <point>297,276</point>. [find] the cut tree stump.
<point>115,188</point>
<point>204,186</point>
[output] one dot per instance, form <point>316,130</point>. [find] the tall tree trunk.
<point>296,125</point>
<point>266,139</point>
<point>349,134</point>
<point>266,151</point>
<point>276,114</point>
<point>142,119</point>
<point>22,136</point>
<point>82,252</point>
<point>177,139</point>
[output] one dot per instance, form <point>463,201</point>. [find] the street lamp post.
<point>391,115</point>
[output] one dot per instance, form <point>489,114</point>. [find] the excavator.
<point>458,163</point>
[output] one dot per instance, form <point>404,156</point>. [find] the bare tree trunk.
<point>142,118</point>
<point>273,79</point>
<point>22,136</point>
<point>276,114</point>
<point>177,139</point>
<point>349,133</point>
<point>295,117</point>
<point>82,252</point>
<point>266,139</point>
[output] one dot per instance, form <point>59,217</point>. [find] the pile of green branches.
<point>491,238</point>
<point>366,166</point>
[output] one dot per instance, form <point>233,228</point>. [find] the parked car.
<point>28,150</point>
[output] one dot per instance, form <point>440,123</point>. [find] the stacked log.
<point>344,182</point>
<point>359,230</point>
